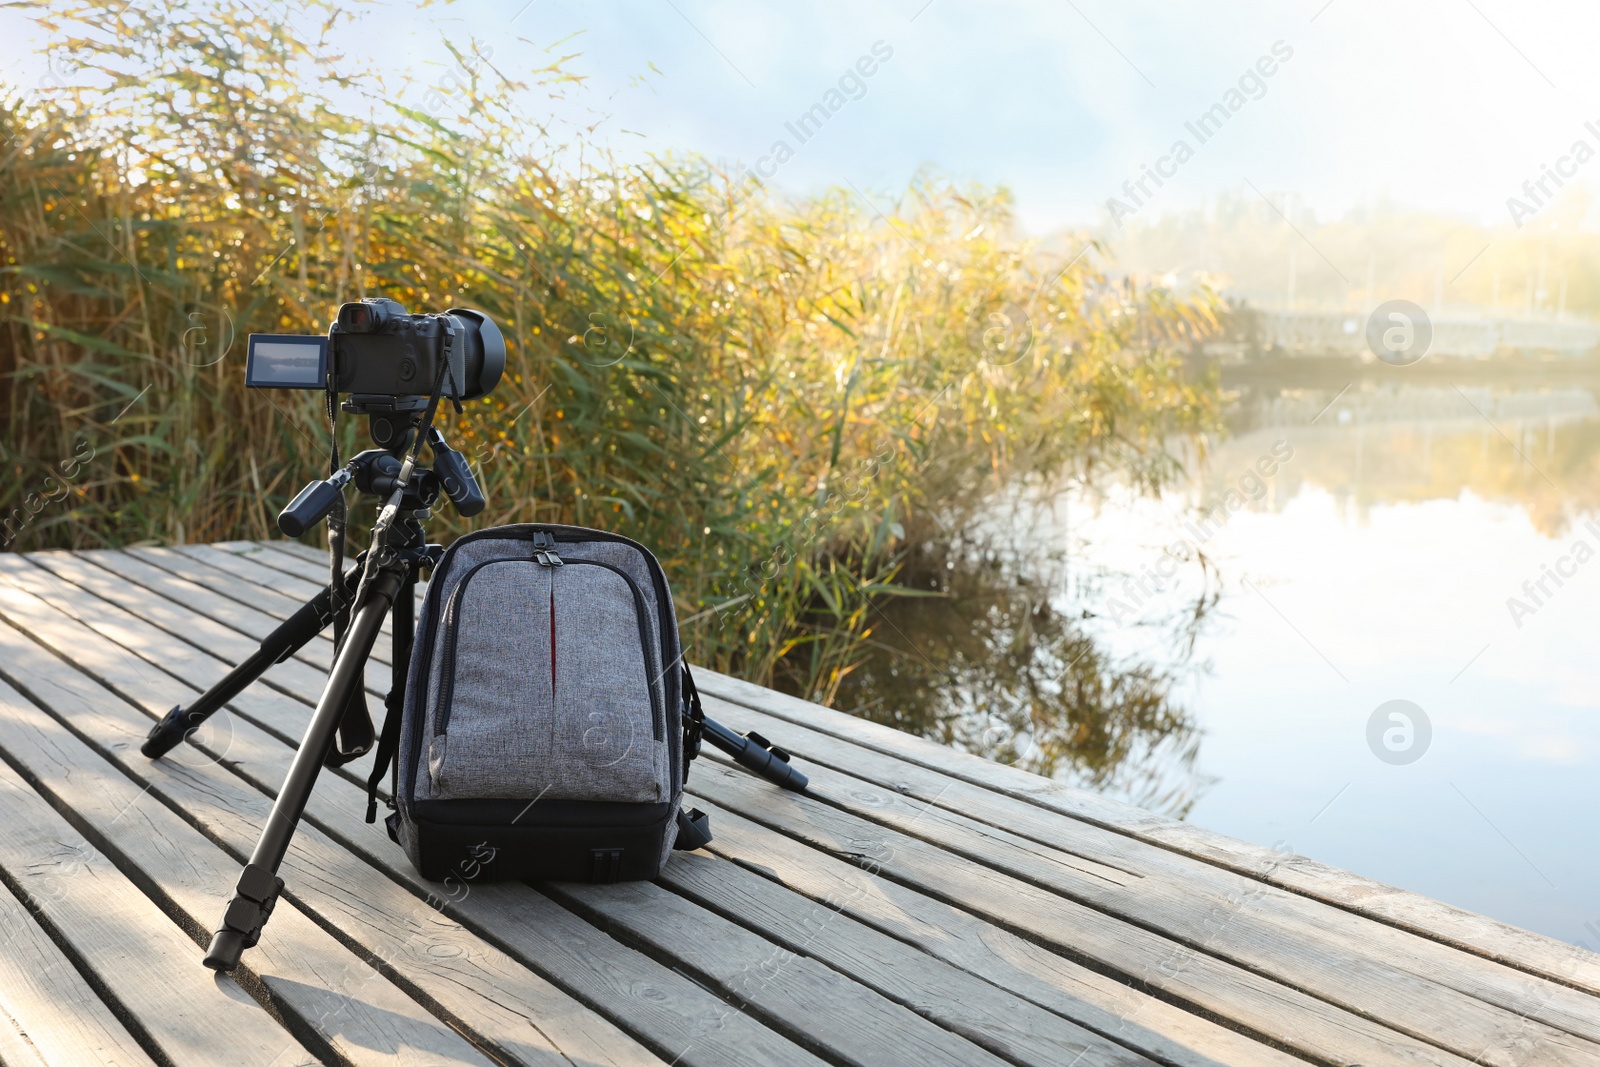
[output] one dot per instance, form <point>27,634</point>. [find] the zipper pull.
<point>544,550</point>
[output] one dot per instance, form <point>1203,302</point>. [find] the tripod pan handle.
<point>312,505</point>
<point>456,474</point>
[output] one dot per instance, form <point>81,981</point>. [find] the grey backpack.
<point>549,719</point>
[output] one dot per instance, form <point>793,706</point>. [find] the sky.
<point>1447,106</point>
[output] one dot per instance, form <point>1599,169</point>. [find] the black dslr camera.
<point>387,362</point>
<point>385,359</point>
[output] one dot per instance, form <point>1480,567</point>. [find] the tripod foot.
<point>167,734</point>
<point>226,948</point>
<point>757,755</point>
<point>247,913</point>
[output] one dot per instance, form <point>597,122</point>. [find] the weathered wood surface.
<point>917,906</point>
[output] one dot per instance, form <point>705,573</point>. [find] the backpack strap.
<point>694,825</point>
<point>694,722</point>
<point>388,742</point>
<point>694,830</point>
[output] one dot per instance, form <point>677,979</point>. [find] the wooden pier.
<point>920,907</point>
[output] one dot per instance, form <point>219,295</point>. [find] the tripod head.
<point>376,471</point>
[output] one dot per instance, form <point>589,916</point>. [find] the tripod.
<point>383,582</point>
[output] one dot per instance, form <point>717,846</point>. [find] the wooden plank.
<point>48,1013</point>
<point>240,578</point>
<point>793,992</point>
<point>283,589</point>
<point>460,977</point>
<point>1231,927</point>
<point>1181,971</point>
<point>671,1014</point>
<point>295,549</point>
<point>290,577</point>
<point>131,648</point>
<point>129,582</point>
<point>195,563</point>
<point>874,907</point>
<point>256,561</point>
<point>1236,1048</point>
<point>134,951</point>
<point>803,930</point>
<point>294,676</point>
<point>238,574</point>
<point>844,1051</point>
<point>1506,944</point>
<point>1566,1008</point>
<point>1281,934</point>
<point>307,974</point>
<point>308,568</point>
<point>1451,926</point>
<point>165,624</point>
<point>683,1021</point>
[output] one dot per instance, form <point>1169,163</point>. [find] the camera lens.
<point>486,352</point>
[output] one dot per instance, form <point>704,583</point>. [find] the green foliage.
<point>779,398</point>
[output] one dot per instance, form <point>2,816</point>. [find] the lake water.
<point>1374,540</point>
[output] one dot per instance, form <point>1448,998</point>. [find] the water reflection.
<point>1380,443</point>
<point>1380,563</point>
<point>1373,564</point>
<point>996,666</point>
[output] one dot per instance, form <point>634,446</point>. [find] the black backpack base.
<point>575,841</point>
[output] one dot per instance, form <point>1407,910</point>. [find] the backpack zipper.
<point>545,558</point>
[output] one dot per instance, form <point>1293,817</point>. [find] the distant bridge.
<point>1326,333</point>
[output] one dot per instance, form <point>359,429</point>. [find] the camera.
<point>388,362</point>
<point>383,357</point>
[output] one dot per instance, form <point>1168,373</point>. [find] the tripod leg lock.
<point>757,755</point>
<point>248,911</point>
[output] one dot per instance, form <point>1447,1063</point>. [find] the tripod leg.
<point>276,647</point>
<point>259,883</point>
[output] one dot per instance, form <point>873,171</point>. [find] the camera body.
<point>378,349</point>
<point>375,350</point>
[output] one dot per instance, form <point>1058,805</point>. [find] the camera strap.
<point>355,735</point>
<point>336,525</point>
